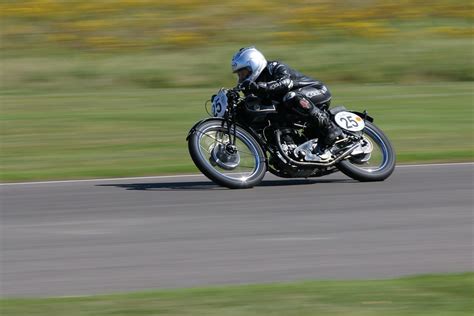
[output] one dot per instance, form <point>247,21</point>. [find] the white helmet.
<point>250,58</point>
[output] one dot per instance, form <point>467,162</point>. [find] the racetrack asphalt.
<point>104,236</point>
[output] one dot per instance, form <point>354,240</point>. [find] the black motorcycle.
<point>246,137</point>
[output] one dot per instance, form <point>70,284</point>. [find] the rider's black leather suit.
<point>294,89</point>
<point>300,94</point>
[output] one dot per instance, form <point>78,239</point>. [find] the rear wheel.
<point>377,165</point>
<point>239,165</point>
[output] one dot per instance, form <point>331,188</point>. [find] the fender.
<point>340,108</point>
<point>248,129</point>
<point>193,129</point>
<point>367,117</point>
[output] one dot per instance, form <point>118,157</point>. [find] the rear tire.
<point>248,148</point>
<point>379,172</point>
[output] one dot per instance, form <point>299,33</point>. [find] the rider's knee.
<point>298,102</point>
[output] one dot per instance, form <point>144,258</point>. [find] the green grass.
<point>134,132</point>
<point>67,114</point>
<point>428,295</point>
<point>411,59</point>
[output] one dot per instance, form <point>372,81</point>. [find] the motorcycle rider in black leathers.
<point>276,81</point>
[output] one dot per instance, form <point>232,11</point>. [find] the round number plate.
<point>219,104</point>
<point>349,121</point>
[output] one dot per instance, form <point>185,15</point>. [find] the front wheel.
<point>236,166</point>
<point>377,165</point>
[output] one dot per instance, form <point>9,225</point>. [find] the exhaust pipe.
<point>311,164</point>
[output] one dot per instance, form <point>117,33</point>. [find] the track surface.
<point>109,236</point>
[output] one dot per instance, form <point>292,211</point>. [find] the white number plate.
<point>219,104</point>
<point>349,121</point>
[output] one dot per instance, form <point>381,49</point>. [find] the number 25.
<point>349,119</point>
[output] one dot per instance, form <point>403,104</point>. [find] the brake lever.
<point>234,93</point>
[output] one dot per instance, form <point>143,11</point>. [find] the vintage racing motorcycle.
<point>245,137</point>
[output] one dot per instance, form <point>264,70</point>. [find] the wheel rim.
<point>243,165</point>
<point>379,157</point>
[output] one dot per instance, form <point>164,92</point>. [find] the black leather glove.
<point>253,87</point>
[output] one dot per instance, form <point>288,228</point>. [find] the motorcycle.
<point>246,137</point>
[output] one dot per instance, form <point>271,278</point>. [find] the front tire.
<point>239,167</point>
<point>381,163</point>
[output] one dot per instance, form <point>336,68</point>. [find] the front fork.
<point>232,135</point>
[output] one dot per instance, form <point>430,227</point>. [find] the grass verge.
<point>137,132</point>
<point>428,295</point>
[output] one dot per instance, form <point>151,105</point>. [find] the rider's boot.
<point>328,128</point>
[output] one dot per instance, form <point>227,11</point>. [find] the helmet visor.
<point>243,74</point>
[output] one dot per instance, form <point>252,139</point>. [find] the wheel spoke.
<point>204,149</point>
<point>377,157</point>
<point>245,153</point>
<point>212,137</point>
<point>224,143</point>
<point>234,167</point>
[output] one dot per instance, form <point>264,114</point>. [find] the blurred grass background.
<point>110,88</point>
<point>427,295</point>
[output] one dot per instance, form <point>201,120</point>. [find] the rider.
<point>276,81</point>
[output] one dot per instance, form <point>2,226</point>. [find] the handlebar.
<point>236,88</point>
<point>234,92</point>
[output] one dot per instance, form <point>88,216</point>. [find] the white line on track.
<point>303,238</point>
<point>437,165</point>
<point>198,175</point>
<point>105,179</point>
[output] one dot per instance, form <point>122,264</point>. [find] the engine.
<point>289,139</point>
<point>300,148</point>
